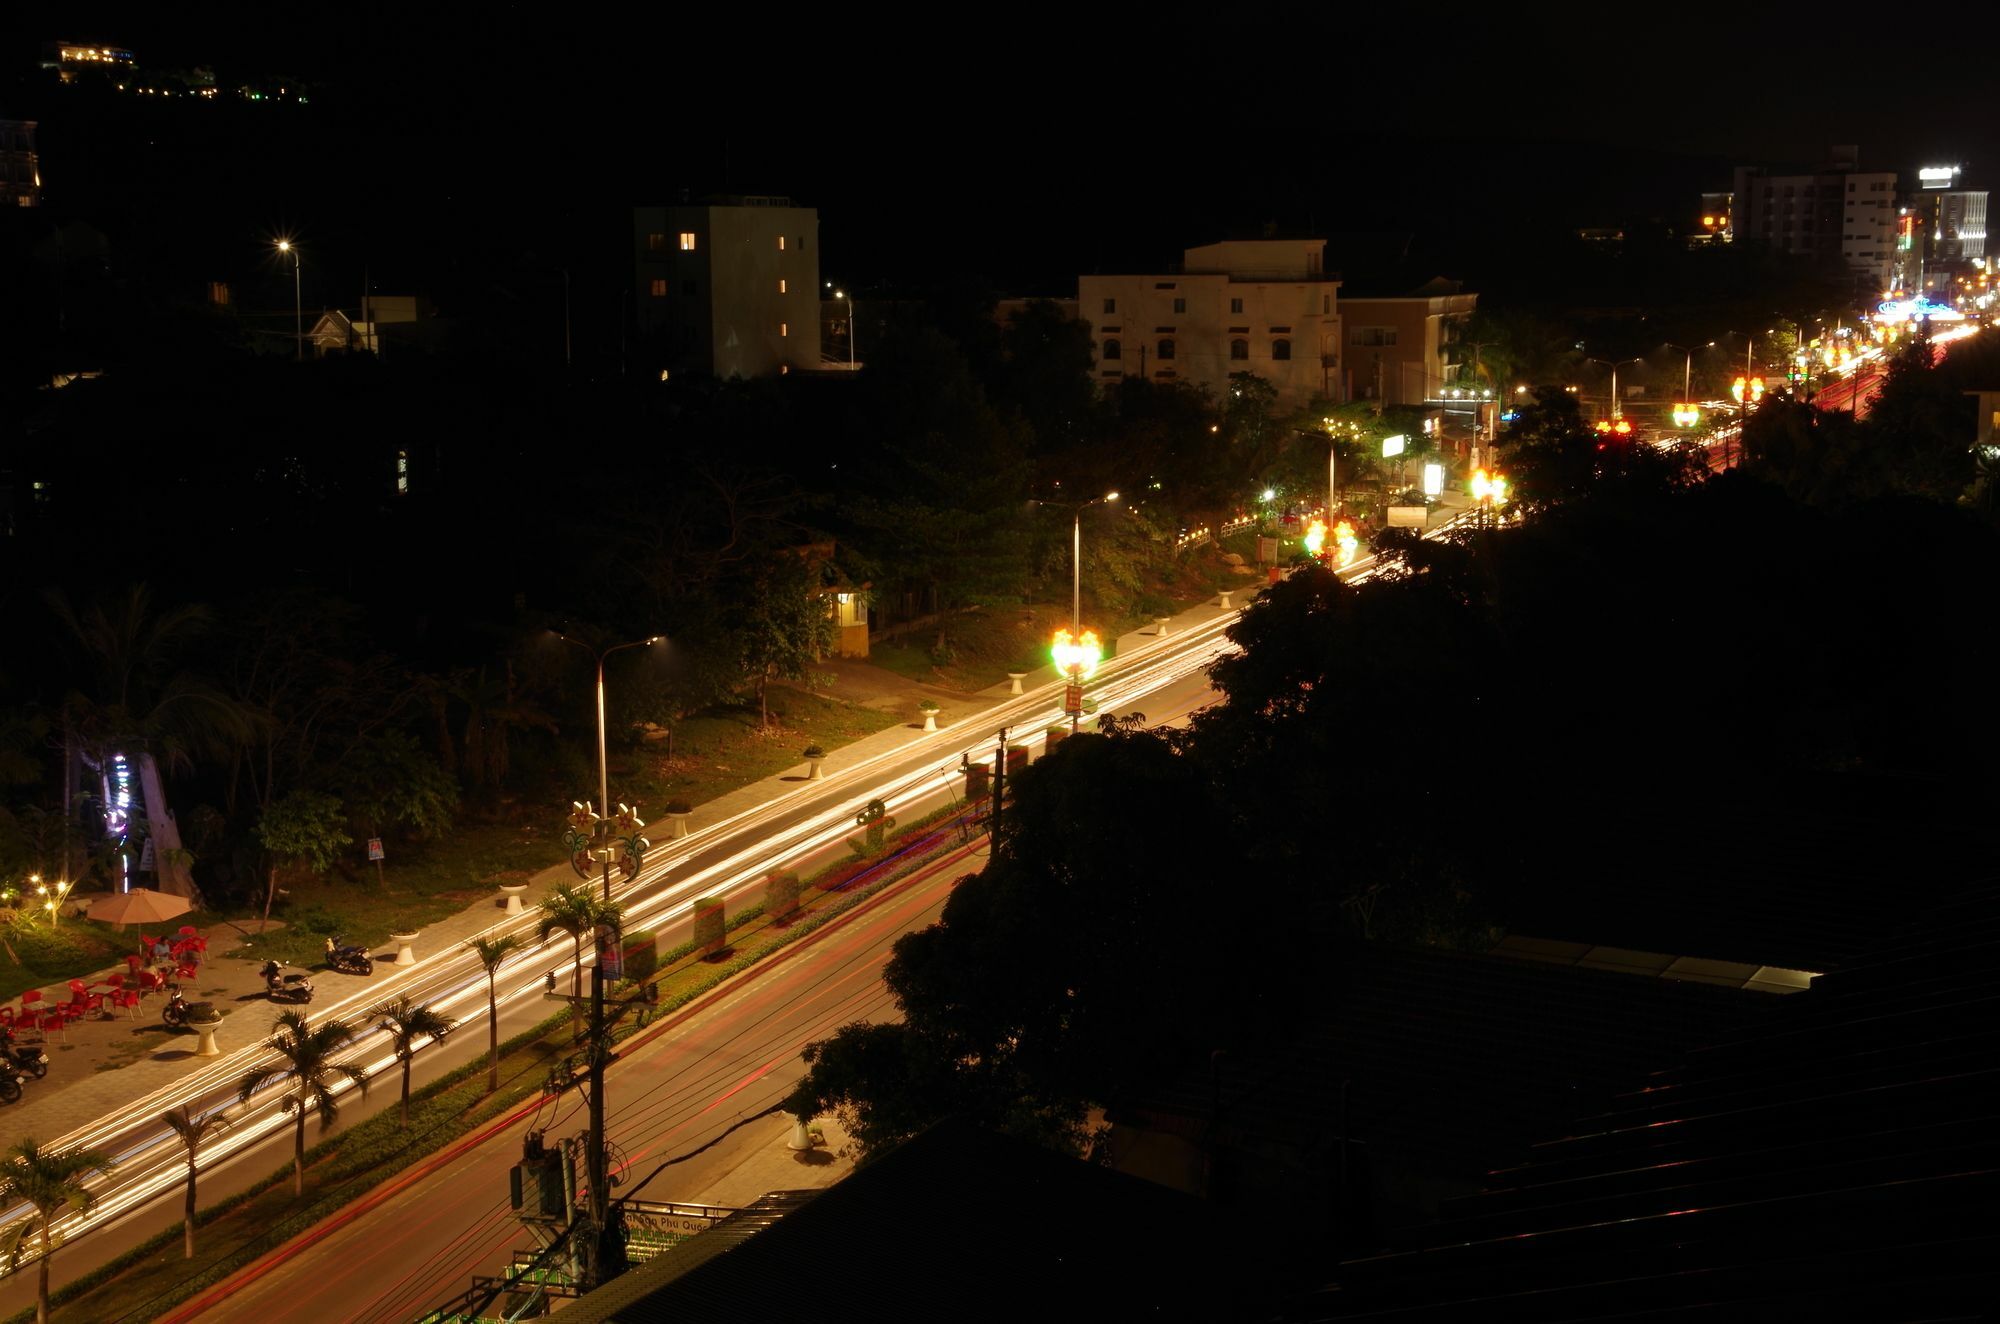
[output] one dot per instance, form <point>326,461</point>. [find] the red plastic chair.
<point>82,1001</point>
<point>128,999</point>
<point>47,1018</point>
<point>186,971</point>
<point>6,1018</point>
<point>190,931</point>
<point>133,962</point>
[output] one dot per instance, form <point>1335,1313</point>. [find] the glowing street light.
<point>1346,543</point>
<point>1315,539</point>
<point>1686,414</point>
<point>603,767</point>
<point>298,309</point>
<point>1489,490</point>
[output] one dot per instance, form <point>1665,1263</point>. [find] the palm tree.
<point>577,911</point>
<point>308,1052</point>
<point>491,952</point>
<point>192,1130</point>
<point>407,1022</point>
<point>48,1179</point>
<point>134,702</point>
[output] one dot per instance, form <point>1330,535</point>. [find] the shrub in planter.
<point>928,706</point>
<point>813,752</point>
<point>679,807</point>
<point>642,955</point>
<point>203,1013</point>
<point>710,932</point>
<point>781,896</point>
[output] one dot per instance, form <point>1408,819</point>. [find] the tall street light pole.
<point>841,294</point>
<point>1076,578</point>
<point>1687,370</point>
<point>298,307</point>
<point>1617,409</point>
<point>603,768</point>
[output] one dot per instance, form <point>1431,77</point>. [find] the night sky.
<point>1026,143</point>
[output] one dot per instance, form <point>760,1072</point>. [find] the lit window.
<point>656,242</point>
<point>781,284</point>
<point>783,330</point>
<point>687,241</point>
<point>660,287</point>
<point>781,243</point>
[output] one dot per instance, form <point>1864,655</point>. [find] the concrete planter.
<point>677,822</point>
<point>513,892</point>
<point>1159,626</point>
<point>813,773</point>
<point>206,1030</point>
<point>1014,679</point>
<point>1224,602</point>
<point>930,717</point>
<point>406,952</point>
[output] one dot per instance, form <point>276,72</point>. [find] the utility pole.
<point>999,784</point>
<point>600,1197</point>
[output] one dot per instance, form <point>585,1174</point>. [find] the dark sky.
<point>1034,139</point>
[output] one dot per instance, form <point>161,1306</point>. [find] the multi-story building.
<point>74,59</point>
<point>1836,216</point>
<point>20,170</point>
<point>1264,306</point>
<point>1408,349</point>
<point>1716,210</point>
<point>1940,236</point>
<point>728,286</point>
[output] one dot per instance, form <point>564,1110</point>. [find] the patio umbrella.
<point>141,906</point>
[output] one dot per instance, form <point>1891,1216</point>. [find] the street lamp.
<point>1075,651</point>
<point>1489,490</point>
<point>603,770</point>
<point>1687,370</point>
<point>839,294</point>
<point>1617,410</point>
<point>298,308</point>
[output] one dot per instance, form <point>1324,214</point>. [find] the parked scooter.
<point>18,1057</point>
<point>350,959</point>
<point>281,987</point>
<point>10,1086</point>
<point>175,1013</point>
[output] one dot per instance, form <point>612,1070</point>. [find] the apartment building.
<point>728,286</point>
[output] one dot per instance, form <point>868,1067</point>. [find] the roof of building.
<point>956,1223</point>
<point>1837,1159</point>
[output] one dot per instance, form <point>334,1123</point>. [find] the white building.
<point>1265,306</point>
<point>1835,215</point>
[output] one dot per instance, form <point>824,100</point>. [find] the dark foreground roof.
<point>955,1224</point>
<point>1840,1160</point>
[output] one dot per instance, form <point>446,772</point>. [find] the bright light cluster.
<point>1076,656</point>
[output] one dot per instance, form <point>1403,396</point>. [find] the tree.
<point>577,911</point>
<point>309,1068</point>
<point>780,619</point>
<point>1044,376</point>
<point>49,1179</point>
<point>137,701</point>
<point>407,1022</point>
<point>309,827</point>
<point>192,1128</point>
<point>388,780</point>
<point>491,953</point>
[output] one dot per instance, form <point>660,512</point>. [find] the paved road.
<point>730,856</point>
<point>676,1090</point>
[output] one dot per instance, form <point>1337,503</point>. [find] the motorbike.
<point>281,987</point>
<point>20,1057</point>
<point>175,1013</point>
<point>350,959</point>
<point>10,1086</point>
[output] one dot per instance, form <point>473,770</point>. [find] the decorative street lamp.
<point>592,839</point>
<point>1076,651</point>
<point>1489,490</point>
<point>603,768</point>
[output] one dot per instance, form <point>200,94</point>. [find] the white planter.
<point>1014,679</point>
<point>1225,599</point>
<point>930,721</point>
<point>513,891</point>
<point>677,824</point>
<point>406,953</point>
<point>1159,625</point>
<point>207,1046</point>
<point>813,773</point>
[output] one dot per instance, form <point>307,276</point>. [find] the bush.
<point>642,955</point>
<point>781,896</point>
<point>679,807</point>
<point>813,752</point>
<point>710,934</point>
<point>928,706</point>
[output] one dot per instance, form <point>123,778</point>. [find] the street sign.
<point>374,848</point>
<point>1073,699</point>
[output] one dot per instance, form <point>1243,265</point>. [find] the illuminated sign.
<point>1393,446</point>
<point>1433,480</point>
<point>1937,176</point>
<point>1903,310</point>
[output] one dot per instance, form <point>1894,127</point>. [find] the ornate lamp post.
<point>593,839</point>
